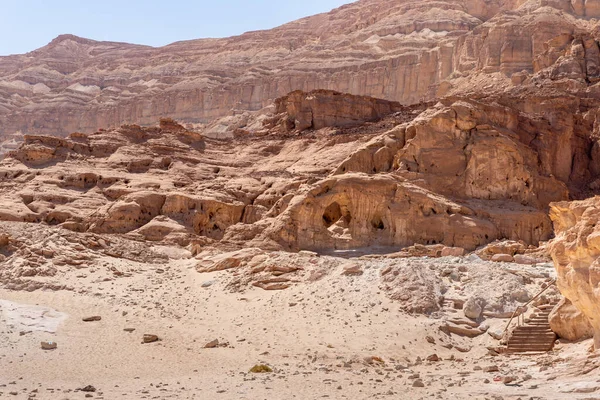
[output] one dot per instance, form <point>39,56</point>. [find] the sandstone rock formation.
<point>406,51</point>
<point>516,128</point>
<point>320,109</point>
<point>357,211</point>
<point>319,171</point>
<point>398,51</point>
<point>570,323</point>
<point>576,255</point>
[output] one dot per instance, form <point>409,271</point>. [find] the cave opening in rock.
<point>377,223</point>
<point>332,214</point>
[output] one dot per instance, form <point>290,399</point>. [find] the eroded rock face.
<point>460,176</point>
<point>355,210</point>
<point>576,254</point>
<point>570,323</point>
<point>406,51</point>
<point>394,50</point>
<point>320,109</point>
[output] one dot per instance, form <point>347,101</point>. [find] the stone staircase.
<point>534,335</point>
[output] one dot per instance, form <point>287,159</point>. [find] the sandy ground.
<point>319,337</point>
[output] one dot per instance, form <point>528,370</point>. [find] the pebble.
<point>49,345</point>
<point>491,368</point>
<point>418,383</point>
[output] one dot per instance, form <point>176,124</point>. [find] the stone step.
<point>535,336</point>
<point>537,327</point>
<point>512,342</point>
<point>530,348</point>
<point>526,351</point>
<point>543,333</point>
<point>534,329</point>
<point>545,338</point>
<point>530,345</point>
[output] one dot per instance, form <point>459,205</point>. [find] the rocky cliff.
<point>320,171</point>
<point>516,126</point>
<point>576,254</point>
<point>406,51</point>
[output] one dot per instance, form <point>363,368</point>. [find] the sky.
<point>26,25</point>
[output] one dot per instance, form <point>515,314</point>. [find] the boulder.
<point>526,260</point>
<point>570,323</point>
<point>351,269</point>
<point>453,252</point>
<point>4,239</point>
<point>327,108</point>
<point>502,258</point>
<point>461,330</point>
<point>473,308</point>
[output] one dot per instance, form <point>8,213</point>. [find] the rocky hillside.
<point>513,126</point>
<point>406,51</point>
<point>316,171</point>
<point>383,184</point>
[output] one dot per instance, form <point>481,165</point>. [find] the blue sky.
<point>26,25</point>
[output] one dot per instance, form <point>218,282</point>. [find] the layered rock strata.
<point>319,170</point>
<point>407,51</point>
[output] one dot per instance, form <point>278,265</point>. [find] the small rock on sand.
<point>49,345</point>
<point>418,383</point>
<point>150,338</point>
